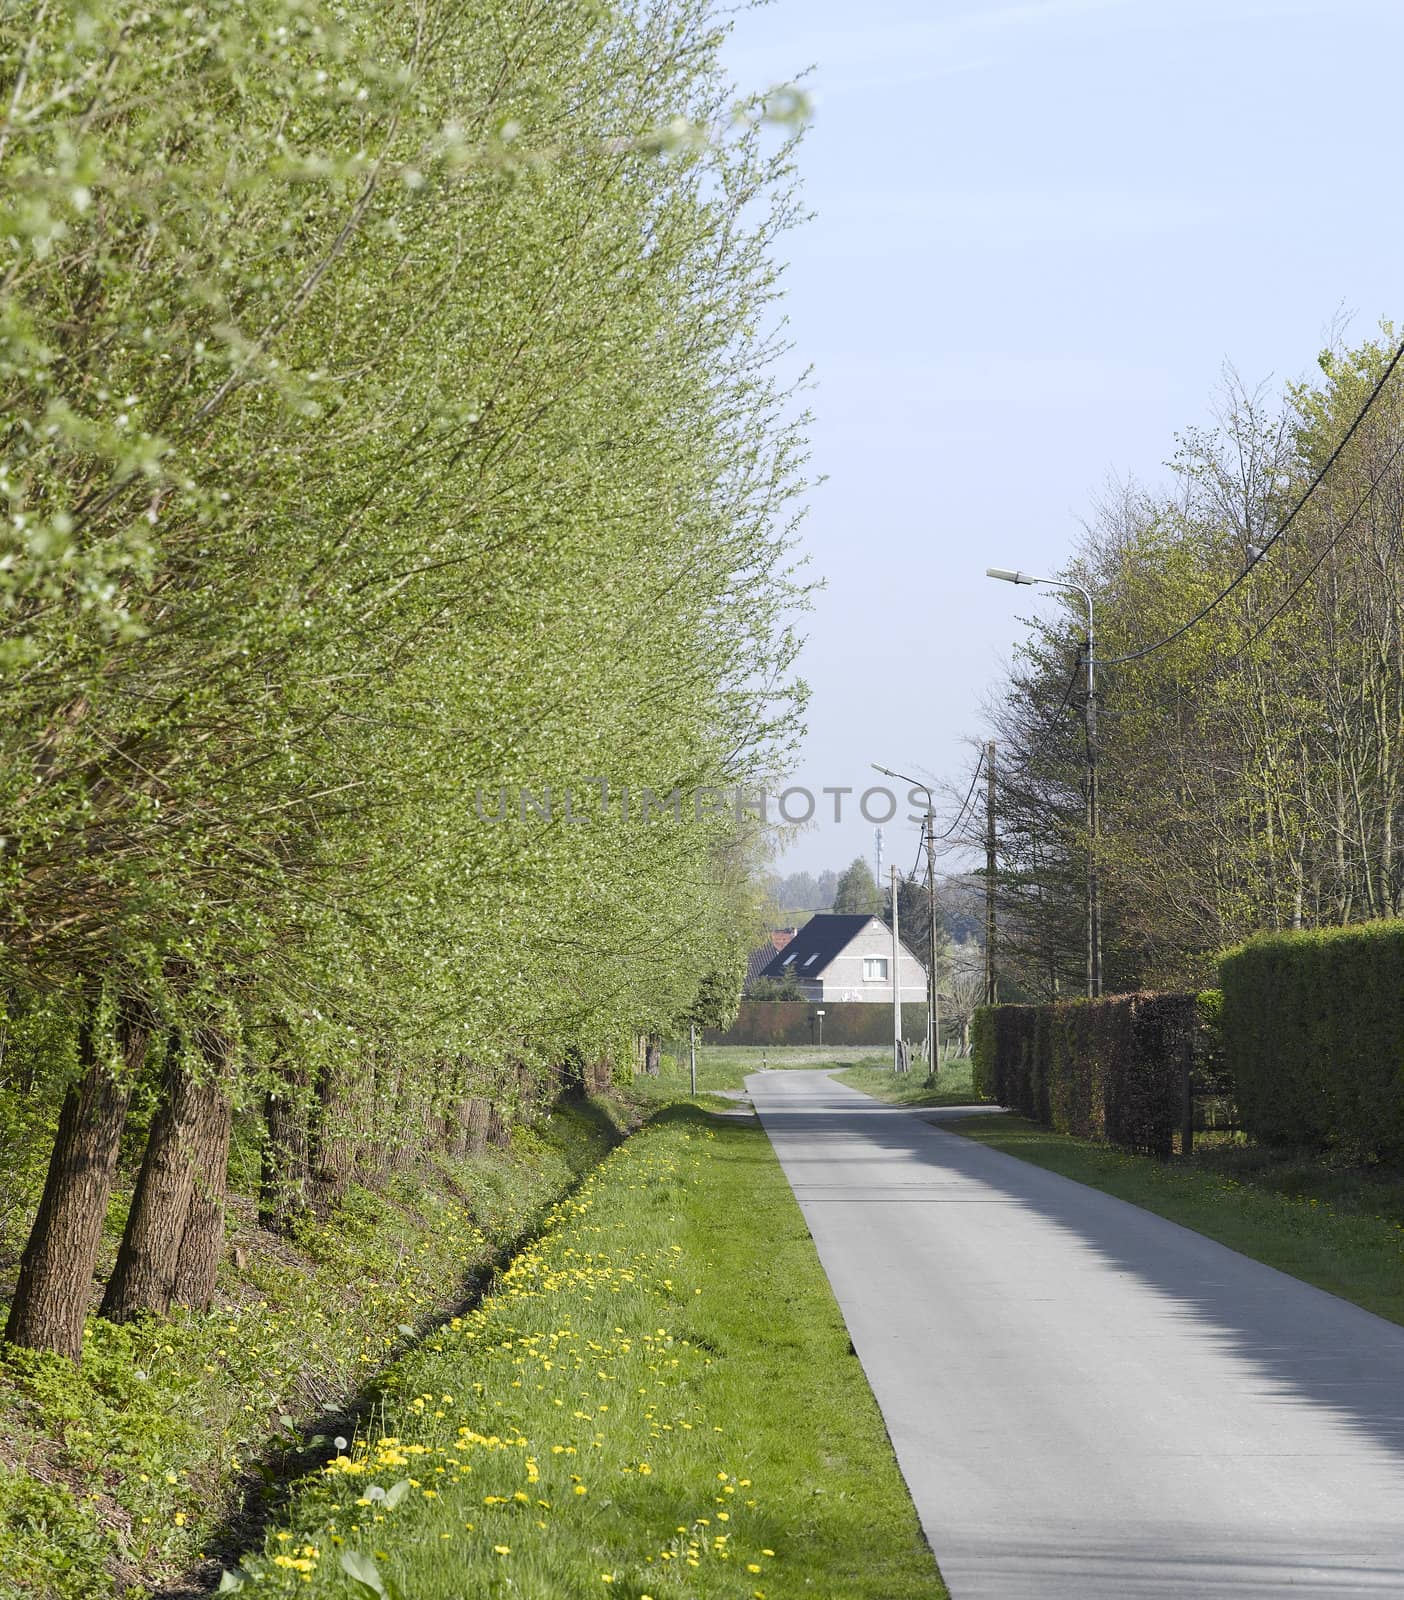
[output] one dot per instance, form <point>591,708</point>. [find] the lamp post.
<point>933,988</point>
<point>820,1015</point>
<point>1094,909</point>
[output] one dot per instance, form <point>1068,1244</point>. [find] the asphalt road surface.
<point>1089,1402</point>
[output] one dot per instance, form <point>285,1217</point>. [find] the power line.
<point>1315,567</point>
<point>959,818</point>
<point>1283,526</point>
<point>965,804</point>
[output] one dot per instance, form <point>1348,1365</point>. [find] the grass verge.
<point>658,1401</point>
<point>953,1087</point>
<point>727,1066</point>
<point>1357,1255</point>
<point>118,1475</point>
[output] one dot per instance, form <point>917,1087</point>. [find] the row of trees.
<point>1252,771</point>
<point>390,446</point>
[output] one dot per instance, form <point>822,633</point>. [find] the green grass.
<point>727,1066</point>
<point>953,1085</point>
<point>1351,1252</point>
<point>116,1475</point>
<point>658,1400</point>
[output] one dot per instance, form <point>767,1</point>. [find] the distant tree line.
<point>1252,771</point>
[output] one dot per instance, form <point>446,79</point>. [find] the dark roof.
<point>760,957</point>
<point>824,935</point>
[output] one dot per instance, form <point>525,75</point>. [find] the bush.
<point>1313,1036</point>
<point>1111,1069</point>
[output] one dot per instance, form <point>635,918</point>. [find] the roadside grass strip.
<point>658,1399</point>
<point>953,1086</point>
<point>1358,1256</point>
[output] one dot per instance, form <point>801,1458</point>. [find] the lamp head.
<point>1007,576</point>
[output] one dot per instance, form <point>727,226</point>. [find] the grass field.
<point>1331,1242</point>
<point>658,1402</point>
<point>727,1066</point>
<point>953,1085</point>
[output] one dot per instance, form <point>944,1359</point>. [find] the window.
<point>874,969</point>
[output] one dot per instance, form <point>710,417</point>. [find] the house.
<point>761,957</point>
<point>839,957</point>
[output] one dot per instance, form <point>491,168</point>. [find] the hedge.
<point>845,1022</point>
<point>1313,1036</point>
<point>1112,1069</point>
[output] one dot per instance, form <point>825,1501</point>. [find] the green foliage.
<point>857,889</point>
<point>1111,1069</point>
<point>1249,770</point>
<point>50,1544</point>
<point>786,988</point>
<point>1313,1035</point>
<point>984,1052</point>
<point>149,1441</point>
<point>379,387</point>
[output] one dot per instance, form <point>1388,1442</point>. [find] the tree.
<point>1252,770</point>
<point>314,483</point>
<point>856,890</point>
<point>786,988</point>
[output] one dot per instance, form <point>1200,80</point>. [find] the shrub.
<point>1111,1069</point>
<point>1313,1037</point>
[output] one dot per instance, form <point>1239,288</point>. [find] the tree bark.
<point>56,1271</point>
<point>282,1192</point>
<point>202,1240</point>
<point>332,1143</point>
<point>189,1136</point>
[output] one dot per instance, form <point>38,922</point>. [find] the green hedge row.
<point>845,1022</point>
<point>1313,1036</point>
<point>1111,1069</point>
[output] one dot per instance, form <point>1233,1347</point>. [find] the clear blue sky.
<point>1042,229</point>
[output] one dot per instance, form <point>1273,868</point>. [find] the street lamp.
<point>1094,909</point>
<point>933,988</point>
<point>820,1015</point>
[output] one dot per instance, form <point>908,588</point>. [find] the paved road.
<point>1089,1402</point>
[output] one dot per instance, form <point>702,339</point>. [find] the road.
<point>1089,1402</point>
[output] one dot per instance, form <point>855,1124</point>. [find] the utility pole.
<point>896,986</point>
<point>991,983</point>
<point>1094,907</point>
<point>933,971</point>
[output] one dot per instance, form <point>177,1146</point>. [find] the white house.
<point>840,957</point>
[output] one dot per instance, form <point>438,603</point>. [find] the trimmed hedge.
<point>1313,1035</point>
<point>845,1022</point>
<point>1111,1069</point>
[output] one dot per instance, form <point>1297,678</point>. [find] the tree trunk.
<point>332,1143</point>
<point>189,1136</point>
<point>56,1271</point>
<point>282,1190</point>
<point>202,1240</point>
<point>479,1115</point>
<point>653,1055</point>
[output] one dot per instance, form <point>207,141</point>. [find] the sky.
<point>1040,232</point>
